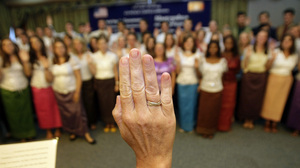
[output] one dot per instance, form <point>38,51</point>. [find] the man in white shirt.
<point>101,29</point>
<point>160,38</point>
<point>121,29</point>
<point>23,43</point>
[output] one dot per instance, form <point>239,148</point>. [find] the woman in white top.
<point>67,88</point>
<point>106,82</point>
<point>14,70</point>
<point>211,68</point>
<point>121,46</point>
<point>43,96</point>
<point>131,43</point>
<point>280,80</point>
<point>87,71</point>
<point>187,84</point>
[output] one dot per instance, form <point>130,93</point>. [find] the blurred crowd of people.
<point>70,79</point>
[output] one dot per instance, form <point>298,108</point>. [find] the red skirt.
<point>228,106</point>
<point>46,108</point>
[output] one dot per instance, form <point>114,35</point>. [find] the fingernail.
<point>134,53</point>
<point>124,61</point>
<point>165,76</point>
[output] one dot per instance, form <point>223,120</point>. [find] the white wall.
<point>275,8</point>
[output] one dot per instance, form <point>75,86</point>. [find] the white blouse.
<point>170,53</point>
<point>13,77</point>
<point>105,64</point>
<point>282,65</point>
<point>64,77</point>
<point>212,75</point>
<point>188,74</point>
<point>85,72</point>
<point>38,79</point>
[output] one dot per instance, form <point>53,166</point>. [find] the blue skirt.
<point>187,106</point>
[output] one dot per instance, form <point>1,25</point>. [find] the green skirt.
<point>19,114</point>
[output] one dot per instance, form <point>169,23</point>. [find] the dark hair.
<point>169,34</point>
<point>164,55</point>
<point>102,36</point>
<point>207,55</point>
<point>189,19</point>
<point>185,38</point>
<point>122,22</point>
<point>90,46</point>
<point>201,30</point>
<point>264,13</point>
<point>150,51</point>
<point>265,45</point>
<point>241,13</point>
<point>234,49</point>
<point>163,23</point>
<point>68,36</point>
<point>5,56</point>
<point>67,56</point>
<point>81,24</point>
<point>293,48</point>
<point>289,10</point>
<point>69,22</point>
<point>145,20</point>
<point>32,52</point>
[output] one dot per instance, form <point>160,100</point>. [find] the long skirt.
<point>209,111</point>
<point>294,115</point>
<point>106,99</point>
<point>228,106</point>
<point>19,113</point>
<point>88,98</point>
<point>252,95</point>
<point>46,108</point>
<point>187,106</point>
<point>277,92</point>
<point>73,114</point>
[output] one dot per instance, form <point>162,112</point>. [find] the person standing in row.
<point>293,120</point>
<point>170,45</point>
<point>163,64</point>
<point>187,84</point>
<point>211,68</point>
<point>106,82</point>
<point>15,93</point>
<point>230,83</point>
<point>280,81</point>
<point>44,100</point>
<point>254,80</point>
<point>87,70</point>
<point>67,88</point>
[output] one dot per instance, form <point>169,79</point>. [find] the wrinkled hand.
<point>148,130</point>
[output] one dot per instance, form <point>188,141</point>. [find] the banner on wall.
<point>174,13</point>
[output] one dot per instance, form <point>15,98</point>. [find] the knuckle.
<point>137,87</point>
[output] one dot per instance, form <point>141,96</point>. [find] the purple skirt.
<point>294,115</point>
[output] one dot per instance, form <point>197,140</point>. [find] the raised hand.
<point>44,61</point>
<point>145,117</point>
<point>24,56</point>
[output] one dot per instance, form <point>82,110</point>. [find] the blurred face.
<point>35,43</point>
<point>48,32</point>
<point>101,24</point>
<point>189,44</point>
<point>213,27</point>
<point>288,18</point>
<point>150,43</point>
<point>69,27</point>
<point>121,42</point>
<point>59,49</point>
<point>159,50</point>
<point>164,27</point>
<point>263,18</point>
<point>93,44</point>
<point>143,26</point>
<point>8,47</point>
<point>228,44</point>
<point>81,28</point>
<point>295,32</point>
<point>287,42</point>
<point>244,39</point>
<point>215,37</point>
<point>121,27</point>
<point>201,35</point>
<point>213,49</point>
<point>88,27</point>
<point>77,45</point>
<point>188,25</point>
<point>169,40</point>
<point>226,32</point>
<point>24,39</point>
<point>29,33</point>
<point>19,31</point>
<point>262,38</point>
<point>39,32</point>
<point>241,20</point>
<point>131,40</point>
<point>102,45</point>
<point>145,37</point>
<point>67,41</point>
